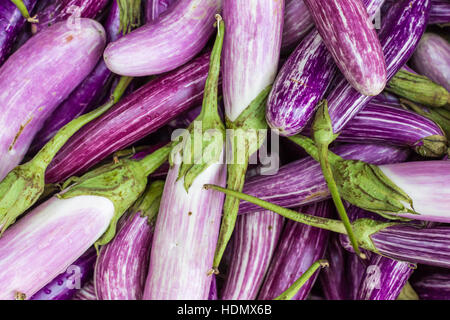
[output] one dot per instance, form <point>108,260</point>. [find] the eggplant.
<point>154,8</point>
<point>87,292</point>
<point>297,23</point>
<point>440,12</point>
<point>67,284</point>
<point>301,182</point>
<point>174,39</point>
<point>432,59</point>
<point>11,23</point>
<point>31,87</point>
<point>255,239</point>
<point>432,284</point>
<point>134,117</point>
<point>299,247</point>
<point>61,10</point>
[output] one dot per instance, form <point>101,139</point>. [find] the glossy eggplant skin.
<point>131,119</point>
<point>11,23</point>
<point>31,91</point>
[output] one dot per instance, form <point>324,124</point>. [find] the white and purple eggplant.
<point>255,239</point>
<point>297,23</point>
<point>122,264</point>
<point>87,292</point>
<point>432,284</point>
<point>299,247</point>
<point>31,91</point>
<point>440,12</point>
<point>350,36</point>
<point>173,39</point>
<point>432,59</point>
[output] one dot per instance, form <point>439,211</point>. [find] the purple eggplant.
<point>137,115</point>
<point>61,10</point>
<point>174,39</point>
<point>383,123</point>
<point>301,182</point>
<point>255,239</point>
<point>213,294</point>
<point>350,37</point>
<point>432,59</point>
<point>432,284</point>
<point>401,30</point>
<point>440,12</point>
<point>154,8</point>
<point>297,23</point>
<point>64,286</point>
<point>11,23</point>
<point>299,247</point>
<point>87,292</point>
<point>30,85</point>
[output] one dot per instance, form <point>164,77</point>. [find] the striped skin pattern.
<point>350,37</point>
<point>165,44</point>
<point>185,236</point>
<point>433,285</point>
<point>298,248</point>
<point>297,23</point>
<point>301,182</point>
<point>251,50</point>
<point>400,33</point>
<point>38,77</point>
<point>131,119</point>
<point>87,292</point>
<point>255,239</point>
<point>440,12</point>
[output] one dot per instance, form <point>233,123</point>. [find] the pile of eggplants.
<point>125,216</point>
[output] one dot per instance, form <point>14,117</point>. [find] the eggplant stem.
<point>298,284</point>
<point>24,11</point>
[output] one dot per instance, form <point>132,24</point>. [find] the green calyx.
<point>322,128</point>
<point>365,228</point>
<point>148,204</point>
<point>434,146</point>
<point>130,15</point>
<point>203,143</point>
<point>24,11</point>
<point>408,293</point>
<point>419,89</point>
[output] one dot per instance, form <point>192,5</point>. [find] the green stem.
<point>24,11</point>
<point>130,15</point>
<point>153,161</point>
<point>298,284</point>
<point>51,148</point>
<point>318,222</point>
<point>310,147</point>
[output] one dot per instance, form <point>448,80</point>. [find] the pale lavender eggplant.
<point>174,39</point>
<point>301,182</point>
<point>185,236</point>
<point>255,239</point>
<point>432,59</point>
<point>350,36</point>
<point>297,23</point>
<point>131,119</point>
<point>401,30</point>
<point>383,279</point>
<point>65,285</point>
<point>433,285</point>
<point>300,85</point>
<point>86,95</point>
<point>251,50</point>
<point>11,23</point>
<point>61,10</point>
<point>46,241</point>
<point>440,12</point>
<point>38,77</point>
<point>87,292</point>
<point>154,8</point>
<point>298,248</point>
<point>122,264</point>
<point>385,123</point>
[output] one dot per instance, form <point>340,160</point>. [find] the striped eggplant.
<point>297,23</point>
<point>11,23</point>
<point>432,59</point>
<point>86,95</point>
<point>299,247</point>
<point>48,240</point>
<point>122,264</point>
<point>383,279</point>
<point>134,117</point>
<point>432,284</point>
<point>301,182</point>
<point>61,10</point>
<point>67,284</point>
<point>154,8</point>
<point>31,87</point>
<point>440,12</point>
<point>385,123</point>
<point>174,39</point>
<point>401,30</point>
<point>350,37</point>
<point>87,292</point>
<point>255,239</point>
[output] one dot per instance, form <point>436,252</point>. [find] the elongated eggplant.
<point>31,90</point>
<point>137,115</point>
<point>255,239</point>
<point>299,246</point>
<point>174,39</point>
